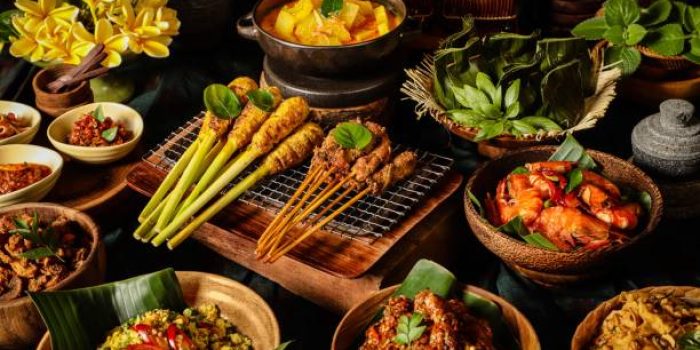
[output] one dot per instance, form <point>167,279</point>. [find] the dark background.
<point>170,93</point>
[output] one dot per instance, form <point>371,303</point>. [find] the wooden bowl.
<point>238,303</point>
<point>23,112</point>
<point>668,63</point>
<point>587,330</point>
<point>545,266</point>
<point>651,92</point>
<point>21,325</point>
<point>359,318</point>
<point>55,104</point>
<point>17,154</point>
<point>60,129</point>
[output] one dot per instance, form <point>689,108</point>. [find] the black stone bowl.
<point>323,61</point>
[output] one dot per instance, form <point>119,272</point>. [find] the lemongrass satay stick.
<point>290,114</point>
<point>293,151</point>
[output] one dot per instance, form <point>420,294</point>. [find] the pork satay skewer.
<point>364,164</point>
<point>400,168</point>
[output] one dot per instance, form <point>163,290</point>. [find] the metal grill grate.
<point>370,217</point>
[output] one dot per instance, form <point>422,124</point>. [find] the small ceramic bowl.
<point>60,129</point>
<point>23,112</point>
<point>14,154</point>
<point>238,303</point>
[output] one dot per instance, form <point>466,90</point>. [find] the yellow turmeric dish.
<point>650,321</point>
<point>308,22</point>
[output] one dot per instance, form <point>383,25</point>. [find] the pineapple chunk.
<point>306,29</point>
<point>381,16</point>
<point>284,26</point>
<point>336,30</point>
<point>365,6</point>
<point>301,9</point>
<point>349,14</point>
<point>383,28</point>
<point>365,34</point>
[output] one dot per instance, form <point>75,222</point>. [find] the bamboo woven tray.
<point>347,247</point>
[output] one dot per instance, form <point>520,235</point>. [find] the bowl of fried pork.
<point>43,247</point>
<point>375,323</point>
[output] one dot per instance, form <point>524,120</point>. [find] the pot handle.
<point>246,28</point>
<point>412,29</point>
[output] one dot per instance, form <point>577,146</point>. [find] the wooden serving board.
<point>240,225</point>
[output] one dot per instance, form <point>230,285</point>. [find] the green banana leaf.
<point>558,51</point>
<point>562,94</point>
<point>80,319</point>
<point>571,150</point>
<point>427,274</point>
<point>505,49</point>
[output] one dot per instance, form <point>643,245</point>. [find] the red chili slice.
<point>145,347</point>
<point>144,332</point>
<point>173,332</point>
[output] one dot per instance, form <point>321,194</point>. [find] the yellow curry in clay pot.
<point>330,23</point>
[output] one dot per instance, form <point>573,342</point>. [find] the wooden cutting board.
<point>240,225</point>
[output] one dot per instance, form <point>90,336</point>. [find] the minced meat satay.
<point>368,164</point>
<point>336,159</point>
<point>400,168</point>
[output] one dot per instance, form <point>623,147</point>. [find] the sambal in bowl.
<point>27,173</point>
<point>98,133</point>
<point>19,123</point>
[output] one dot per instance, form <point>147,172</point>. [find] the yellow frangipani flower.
<point>145,35</point>
<point>59,43</point>
<point>115,44</point>
<point>26,45</point>
<point>36,12</point>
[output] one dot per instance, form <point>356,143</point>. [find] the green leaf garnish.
<point>644,198</point>
<point>409,329</point>
<point>110,134</point>
<point>572,151</point>
<point>331,7</point>
<point>538,240</point>
<point>352,135</point>
<point>476,202</point>
<point>284,345</point>
<point>221,101</point>
<point>46,241</point>
<point>99,114</point>
<point>38,253</point>
<point>515,227</point>
<point>521,170</point>
<point>262,99</point>
<point>690,341</point>
<point>575,180</point>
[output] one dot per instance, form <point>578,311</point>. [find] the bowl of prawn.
<point>550,267</point>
